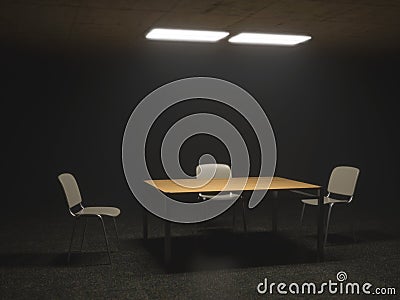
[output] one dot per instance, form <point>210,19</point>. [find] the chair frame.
<point>330,209</point>
<point>77,203</point>
<point>234,212</point>
<point>328,215</point>
<point>199,197</point>
<point>77,218</point>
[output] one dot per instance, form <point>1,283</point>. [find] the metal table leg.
<point>145,225</point>
<point>274,211</point>
<point>167,242</point>
<point>320,226</point>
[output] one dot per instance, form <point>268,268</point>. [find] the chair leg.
<point>353,225</point>
<point>116,231</point>
<point>327,222</point>
<point>83,235</point>
<point>302,214</point>
<point>244,216</point>
<point>105,237</point>
<point>72,238</point>
<point>234,216</point>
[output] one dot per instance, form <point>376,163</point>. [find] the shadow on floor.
<point>53,259</point>
<point>365,236</point>
<point>212,249</point>
<point>222,249</point>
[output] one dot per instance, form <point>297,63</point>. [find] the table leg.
<point>274,211</point>
<point>234,216</point>
<point>145,225</point>
<point>320,224</point>
<point>244,215</point>
<point>167,242</point>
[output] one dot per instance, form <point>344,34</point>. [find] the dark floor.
<point>209,260</point>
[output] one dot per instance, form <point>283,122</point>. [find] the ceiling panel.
<point>222,7</point>
<point>156,5</point>
<point>197,21</point>
<point>305,10</point>
<point>124,22</point>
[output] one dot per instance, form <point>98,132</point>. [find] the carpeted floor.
<point>210,260</point>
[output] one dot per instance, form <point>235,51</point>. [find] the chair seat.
<point>219,197</point>
<point>327,200</point>
<point>98,210</point>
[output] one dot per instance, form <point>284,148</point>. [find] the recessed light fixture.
<point>268,39</point>
<point>186,35</point>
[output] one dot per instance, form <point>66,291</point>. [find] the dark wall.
<point>67,112</point>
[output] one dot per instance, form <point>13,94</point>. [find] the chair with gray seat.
<point>78,211</point>
<point>341,186</point>
<point>222,171</point>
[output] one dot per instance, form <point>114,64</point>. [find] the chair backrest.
<point>343,180</point>
<point>207,171</point>
<point>71,189</point>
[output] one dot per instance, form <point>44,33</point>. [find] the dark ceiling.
<point>359,24</point>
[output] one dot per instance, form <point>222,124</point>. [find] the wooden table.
<point>179,186</point>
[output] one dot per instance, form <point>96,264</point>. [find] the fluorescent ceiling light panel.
<point>186,35</point>
<point>268,39</point>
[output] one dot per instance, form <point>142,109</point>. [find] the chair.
<point>207,171</point>
<point>78,211</point>
<point>341,186</point>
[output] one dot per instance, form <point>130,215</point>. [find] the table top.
<point>235,184</point>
